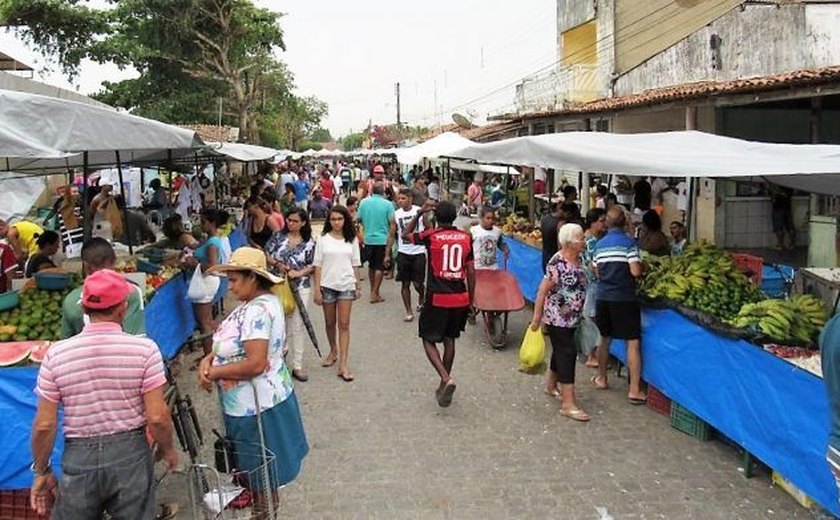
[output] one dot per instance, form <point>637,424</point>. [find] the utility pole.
<point>399,127</point>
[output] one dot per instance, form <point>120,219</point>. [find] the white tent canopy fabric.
<point>50,134</point>
<point>439,146</point>
<point>242,152</point>
<point>666,154</point>
<point>485,168</point>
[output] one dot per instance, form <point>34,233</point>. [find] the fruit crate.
<point>14,505</point>
<point>683,420</point>
<point>657,401</point>
<point>752,266</point>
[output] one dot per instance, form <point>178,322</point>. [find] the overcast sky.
<point>351,55</point>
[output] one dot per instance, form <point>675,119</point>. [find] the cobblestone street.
<point>382,448</point>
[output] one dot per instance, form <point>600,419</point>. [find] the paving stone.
<point>382,448</point>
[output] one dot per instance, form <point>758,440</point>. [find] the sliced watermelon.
<point>15,352</point>
<point>38,350</point>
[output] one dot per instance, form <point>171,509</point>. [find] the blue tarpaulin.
<point>170,319</point>
<point>18,403</point>
<point>525,263</point>
<point>773,409</point>
<point>237,238</point>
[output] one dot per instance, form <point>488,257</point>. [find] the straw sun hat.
<point>246,259</point>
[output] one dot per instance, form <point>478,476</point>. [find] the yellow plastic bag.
<point>532,352</point>
<point>287,299</point>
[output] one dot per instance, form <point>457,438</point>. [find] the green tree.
<point>321,135</point>
<point>353,141</point>
<point>188,53</point>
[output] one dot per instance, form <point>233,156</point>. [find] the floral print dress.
<point>298,257</point>
<point>260,318</point>
<point>563,305</point>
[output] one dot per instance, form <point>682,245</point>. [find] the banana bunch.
<point>798,319</point>
<point>703,278</point>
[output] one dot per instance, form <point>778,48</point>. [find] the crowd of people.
<point>366,214</point>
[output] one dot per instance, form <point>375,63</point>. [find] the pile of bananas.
<point>798,319</point>
<point>703,278</point>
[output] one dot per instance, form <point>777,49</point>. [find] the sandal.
<point>637,401</point>
<point>445,396</point>
<point>600,386</point>
<point>347,377</point>
<point>552,393</point>
<point>575,414</point>
<point>408,318</point>
<point>330,361</point>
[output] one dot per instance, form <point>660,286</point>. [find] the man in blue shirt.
<point>617,313</point>
<point>302,191</point>
<point>375,214</point>
<point>830,350</point>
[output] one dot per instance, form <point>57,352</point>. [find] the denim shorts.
<point>113,473</point>
<point>331,295</point>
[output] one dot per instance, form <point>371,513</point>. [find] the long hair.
<point>348,231</point>
<point>305,224</point>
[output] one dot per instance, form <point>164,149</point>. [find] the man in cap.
<point>97,254</point>
<point>110,385</point>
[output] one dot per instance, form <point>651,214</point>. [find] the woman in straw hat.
<point>247,366</point>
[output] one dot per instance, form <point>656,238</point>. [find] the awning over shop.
<point>439,146</point>
<point>668,154</point>
<point>47,134</point>
<point>485,168</point>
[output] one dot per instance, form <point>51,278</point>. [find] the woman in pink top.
<point>474,196</point>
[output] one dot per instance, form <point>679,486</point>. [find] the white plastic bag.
<point>202,288</point>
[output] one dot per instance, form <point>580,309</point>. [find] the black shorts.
<point>376,257</point>
<point>437,323</point>
<point>411,268</point>
<point>619,320</point>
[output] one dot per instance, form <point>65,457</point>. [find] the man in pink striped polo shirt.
<point>110,385</point>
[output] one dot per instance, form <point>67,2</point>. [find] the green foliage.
<point>353,141</point>
<point>188,53</point>
<point>321,135</point>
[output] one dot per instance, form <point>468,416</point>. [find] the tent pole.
<point>584,192</point>
<point>169,171</point>
<point>88,223</point>
<point>125,204</point>
<point>690,209</point>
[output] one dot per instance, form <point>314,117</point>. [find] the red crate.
<point>14,505</point>
<point>658,402</point>
<point>750,265</point>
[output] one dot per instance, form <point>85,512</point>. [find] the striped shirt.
<point>613,255</point>
<point>99,377</point>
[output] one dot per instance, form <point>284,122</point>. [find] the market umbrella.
<point>307,321</point>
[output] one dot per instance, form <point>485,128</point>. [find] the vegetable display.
<point>798,319</point>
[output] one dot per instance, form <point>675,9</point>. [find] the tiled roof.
<point>702,89</point>
<point>476,133</point>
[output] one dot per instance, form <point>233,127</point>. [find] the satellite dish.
<point>462,121</point>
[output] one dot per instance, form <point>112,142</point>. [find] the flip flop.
<point>552,393</point>
<point>636,401</point>
<point>594,381</point>
<point>378,300</point>
<point>408,318</point>
<point>445,397</point>
<point>329,362</point>
<point>347,377</point>
<point>576,415</point>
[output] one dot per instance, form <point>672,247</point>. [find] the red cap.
<point>104,289</point>
<point>378,169</point>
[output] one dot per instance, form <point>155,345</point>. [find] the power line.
<point>585,49</point>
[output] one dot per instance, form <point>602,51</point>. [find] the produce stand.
<point>776,411</point>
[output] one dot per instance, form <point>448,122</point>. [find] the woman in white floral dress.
<point>248,368</point>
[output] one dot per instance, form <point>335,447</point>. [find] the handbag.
<point>284,291</point>
<point>202,288</point>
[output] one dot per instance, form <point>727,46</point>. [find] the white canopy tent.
<point>440,146</point>
<point>669,154</point>
<point>39,133</point>
<point>484,168</point>
<point>242,152</point>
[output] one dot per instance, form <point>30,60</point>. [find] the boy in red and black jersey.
<point>449,289</point>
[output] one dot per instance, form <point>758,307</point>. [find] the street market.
<point>211,308</point>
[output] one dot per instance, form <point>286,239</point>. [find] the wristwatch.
<point>45,471</point>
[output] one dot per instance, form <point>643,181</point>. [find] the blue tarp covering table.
<point>169,321</point>
<point>773,409</point>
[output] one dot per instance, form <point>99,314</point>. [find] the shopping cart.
<point>225,493</point>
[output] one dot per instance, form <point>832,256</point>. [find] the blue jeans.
<point>112,473</point>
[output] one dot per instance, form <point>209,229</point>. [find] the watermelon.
<point>14,352</point>
<point>38,350</point>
